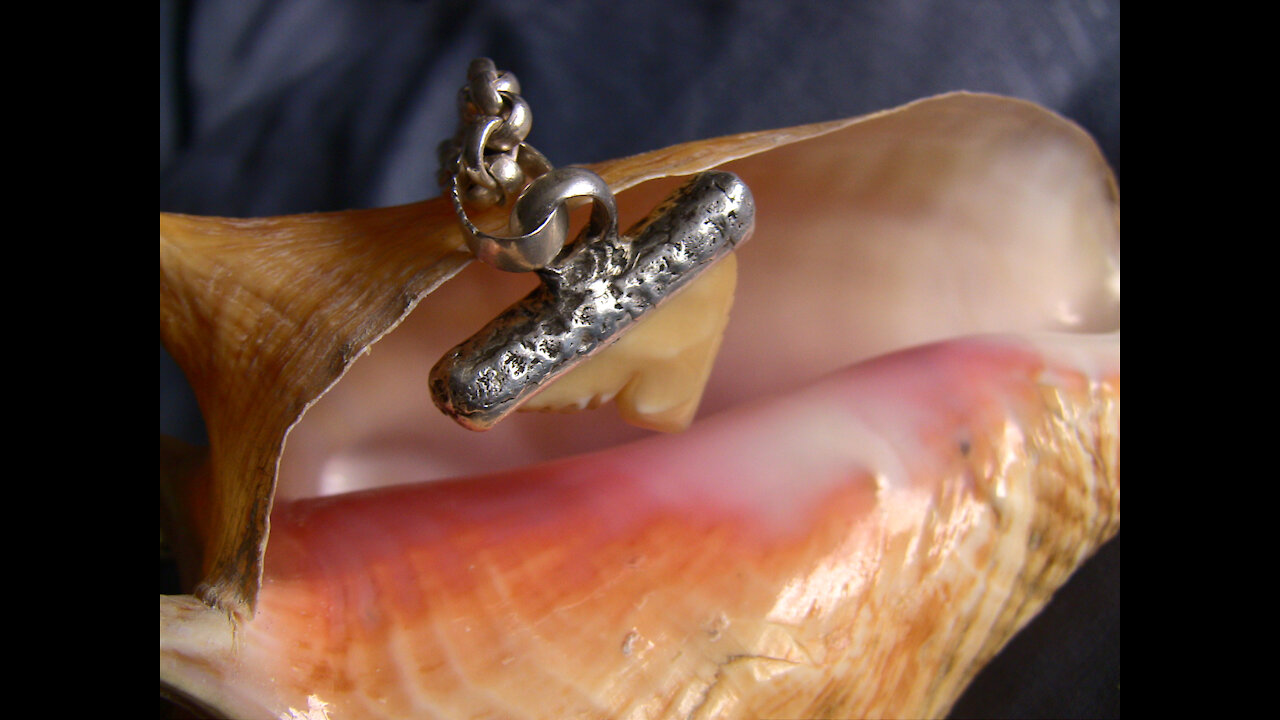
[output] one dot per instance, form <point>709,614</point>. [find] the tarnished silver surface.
<point>589,295</point>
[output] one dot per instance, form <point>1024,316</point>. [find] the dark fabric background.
<point>307,105</point>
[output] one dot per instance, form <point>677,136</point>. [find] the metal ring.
<point>542,208</point>
<point>522,253</point>
<point>506,82</point>
<point>494,133</point>
<point>484,92</point>
<point>516,123</point>
<point>558,187</point>
<point>476,141</point>
<point>482,77</point>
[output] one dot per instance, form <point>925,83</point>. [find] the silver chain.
<point>484,156</point>
<point>488,162</point>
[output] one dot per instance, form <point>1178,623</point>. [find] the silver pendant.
<point>593,289</point>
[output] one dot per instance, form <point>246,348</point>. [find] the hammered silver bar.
<point>592,293</point>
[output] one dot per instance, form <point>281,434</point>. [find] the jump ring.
<point>540,220</point>
<point>525,252</point>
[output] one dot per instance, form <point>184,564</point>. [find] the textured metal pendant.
<point>590,294</point>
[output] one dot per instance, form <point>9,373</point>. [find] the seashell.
<point>877,493</point>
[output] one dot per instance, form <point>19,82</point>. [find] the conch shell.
<point>900,495</point>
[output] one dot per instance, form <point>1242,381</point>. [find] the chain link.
<point>483,157</point>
